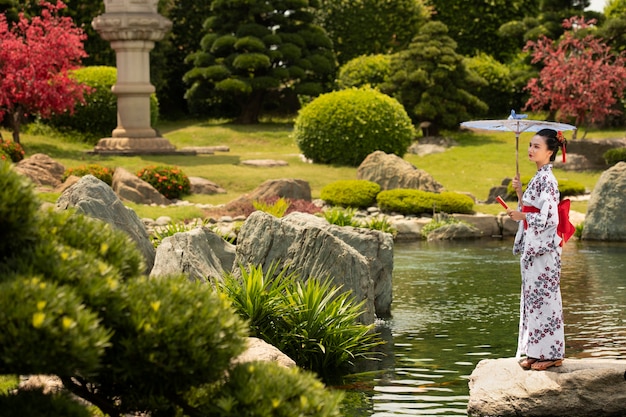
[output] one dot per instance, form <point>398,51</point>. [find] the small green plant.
<point>350,193</point>
<point>380,223</point>
<point>171,229</point>
<point>312,322</point>
<point>169,181</point>
<point>340,216</point>
<point>12,149</point>
<point>276,209</point>
<point>103,173</point>
<point>437,222</point>
<point>613,156</point>
<point>578,232</point>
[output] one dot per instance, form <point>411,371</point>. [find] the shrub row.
<point>363,193</point>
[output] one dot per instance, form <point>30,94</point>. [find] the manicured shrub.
<point>103,173</point>
<point>343,127</point>
<point>350,193</point>
<point>13,150</point>
<point>417,202</point>
<point>98,116</point>
<point>613,156</point>
<point>169,181</point>
<point>567,188</point>
<point>364,71</point>
<point>37,404</point>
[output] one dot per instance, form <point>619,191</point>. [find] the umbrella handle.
<point>517,154</point>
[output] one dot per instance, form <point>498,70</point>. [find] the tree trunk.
<point>250,109</point>
<point>14,123</point>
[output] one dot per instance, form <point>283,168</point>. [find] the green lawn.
<point>481,161</point>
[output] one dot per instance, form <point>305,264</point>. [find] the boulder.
<point>593,151</point>
<point>96,199</point>
<point>259,350</point>
<point>606,217</point>
<point>487,224</point>
<point>455,231</point>
<point>299,244</point>
<point>291,188</point>
<point>203,186</point>
<point>42,170</point>
<point>391,172</point>
<point>130,187</point>
<point>579,388</point>
<point>408,229</point>
<point>375,246</point>
<point>199,253</point>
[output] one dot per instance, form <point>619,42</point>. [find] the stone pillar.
<point>132,27</point>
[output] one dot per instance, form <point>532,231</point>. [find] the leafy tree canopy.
<point>252,49</point>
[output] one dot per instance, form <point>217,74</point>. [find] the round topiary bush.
<point>365,70</point>
<point>98,116</point>
<point>350,193</point>
<point>343,127</point>
<point>416,202</point>
<point>169,181</point>
<point>613,156</point>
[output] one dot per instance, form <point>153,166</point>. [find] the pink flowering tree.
<point>581,78</point>
<point>36,56</point>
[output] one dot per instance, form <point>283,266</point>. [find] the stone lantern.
<point>132,27</point>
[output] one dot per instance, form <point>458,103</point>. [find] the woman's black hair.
<point>553,141</point>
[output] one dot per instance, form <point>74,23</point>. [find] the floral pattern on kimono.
<point>541,332</point>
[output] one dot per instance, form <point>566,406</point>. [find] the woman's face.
<point>538,150</point>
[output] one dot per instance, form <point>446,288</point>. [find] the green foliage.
<point>169,181</point>
<point>277,209</point>
<point>613,156</point>
<point>340,216</point>
<point>408,201</point>
<point>499,92</point>
<point>12,149</point>
<point>350,193</point>
<point>253,48</point>
<point>436,223</point>
<point>266,389</point>
<point>97,117</point>
<point>312,322</point>
<point>567,188</point>
<point>103,173</point>
<point>432,81</point>
<point>380,223</point>
<point>364,71</point>
<point>363,27</point>
<point>37,404</point>
<point>578,232</point>
<point>171,229</point>
<point>343,127</point>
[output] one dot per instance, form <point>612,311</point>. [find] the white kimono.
<point>541,333</point>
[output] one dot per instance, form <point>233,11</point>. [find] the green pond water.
<point>455,304</point>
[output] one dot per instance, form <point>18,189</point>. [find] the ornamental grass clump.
<point>103,173</point>
<point>312,322</point>
<point>169,181</point>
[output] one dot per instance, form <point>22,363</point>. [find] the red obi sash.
<point>565,229</point>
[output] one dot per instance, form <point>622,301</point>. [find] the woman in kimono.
<point>541,333</point>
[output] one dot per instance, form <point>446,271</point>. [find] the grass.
<point>482,160</point>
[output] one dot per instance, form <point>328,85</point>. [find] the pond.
<point>455,304</point>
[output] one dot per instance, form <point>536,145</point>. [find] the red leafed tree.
<point>35,57</point>
<point>581,77</point>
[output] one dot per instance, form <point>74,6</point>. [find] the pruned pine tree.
<point>257,50</point>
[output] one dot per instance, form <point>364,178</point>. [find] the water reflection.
<point>457,303</point>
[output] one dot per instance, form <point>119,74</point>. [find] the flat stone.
<point>578,388</point>
<point>267,163</point>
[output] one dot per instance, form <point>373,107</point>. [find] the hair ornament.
<point>561,139</point>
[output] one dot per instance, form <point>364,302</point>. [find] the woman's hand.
<point>516,215</point>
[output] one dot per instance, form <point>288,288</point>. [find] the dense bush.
<point>350,193</point>
<point>169,181</point>
<point>499,92</point>
<point>13,150</point>
<point>416,202</point>
<point>104,174</point>
<point>98,116</point>
<point>364,71</point>
<point>343,127</point>
<point>613,156</point>
<point>75,303</point>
